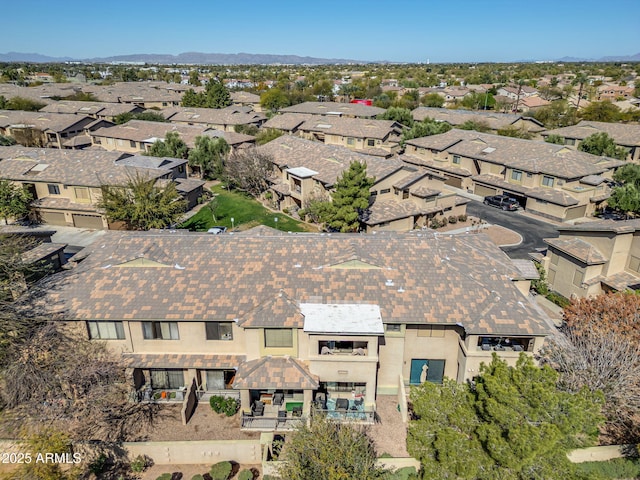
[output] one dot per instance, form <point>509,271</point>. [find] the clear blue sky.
<point>401,30</point>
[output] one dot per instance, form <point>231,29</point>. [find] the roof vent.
<point>389,283</point>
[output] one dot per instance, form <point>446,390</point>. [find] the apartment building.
<point>264,313</point>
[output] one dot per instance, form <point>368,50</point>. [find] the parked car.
<point>217,230</point>
<point>505,202</point>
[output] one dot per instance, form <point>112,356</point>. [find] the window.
<point>351,141</point>
<point>634,263</point>
<point>105,330</point>
<point>516,175</point>
<point>374,193</point>
<point>554,258</point>
<point>430,331</point>
<point>371,142</point>
<point>81,193</point>
<point>551,277</point>
<point>578,277</point>
<point>278,338</point>
<point>456,159</point>
<point>569,141</point>
<point>167,378</point>
<point>547,181</point>
<point>219,379</point>
<point>426,370</point>
<point>385,190</point>
<point>132,143</point>
<point>53,189</point>
<point>219,330</point>
<point>405,194</point>
<point>160,331</point>
<point>393,327</point>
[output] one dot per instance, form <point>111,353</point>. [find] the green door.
<point>432,370</point>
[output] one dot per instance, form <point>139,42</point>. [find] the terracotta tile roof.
<point>244,97</point>
<point>550,195</point>
<point>445,279</point>
<point>275,372</point>
<point>95,109</point>
<point>90,168</point>
<point>527,268</point>
<point>577,248</point>
<point>623,134</point>
<point>62,203</point>
<point>147,132</point>
<point>333,108</point>
<point>181,360</point>
<point>214,116</point>
<point>424,192</point>
<point>329,161</point>
<point>410,179</point>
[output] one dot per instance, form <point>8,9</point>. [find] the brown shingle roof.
<point>181,360</point>
<point>578,248</point>
<point>623,134</point>
<point>353,127</point>
<point>450,280</point>
<point>275,372</point>
<point>333,108</point>
<point>550,195</point>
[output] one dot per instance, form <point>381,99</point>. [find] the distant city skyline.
<point>401,31</point>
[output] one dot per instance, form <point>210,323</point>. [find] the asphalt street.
<point>532,230</point>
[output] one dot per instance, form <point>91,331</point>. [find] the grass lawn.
<point>246,213</point>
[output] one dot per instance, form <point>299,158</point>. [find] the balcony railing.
<point>270,423</point>
<point>364,416</point>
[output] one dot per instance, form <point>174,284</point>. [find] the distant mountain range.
<point>199,58</point>
<point>183,58</point>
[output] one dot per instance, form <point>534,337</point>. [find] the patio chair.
<point>278,398</point>
<point>258,409</point>
<point>321,401</point>
<point>297,411</point>
<point>282,417</point>
<point>358,402</point>
<point>342,405</point>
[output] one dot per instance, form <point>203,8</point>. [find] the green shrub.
<point>616,468</point>
<point>220,471</point>
<point>462,218</point>
<point>220,404</point>
<point>435,223</point>
<point>405,473</point>
<point>245,475</point>
<point>558,299</point>
<point>165,476</point>
<point>453,219</point>
<point>98,465</point>
<point>197,477</point>
<point>139,464</point>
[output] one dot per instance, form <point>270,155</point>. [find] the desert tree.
<point>15,201</point>
<point>249,169</point>
<point>142,203</point>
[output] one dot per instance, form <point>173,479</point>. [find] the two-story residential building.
<point>359,134</point>
<point>403,196</point>
<point>66,184</point>
<point>625,135</point>
<point>224,119</point>
<point>42,129</point>
<point>97,110</point>
<point>494,121</point>
<point>143,95</point>
<point>549,180</point>
<point>593,258</point>
<point>288,319</point>
<point>137,136</point>
<point>335,109</point>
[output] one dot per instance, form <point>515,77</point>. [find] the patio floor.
<point>389,434</point>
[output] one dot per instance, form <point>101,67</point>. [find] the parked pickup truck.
<point>505,202</point>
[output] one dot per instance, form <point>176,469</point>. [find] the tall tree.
<point>580,79</point>
<point>398,114</point>
<point>208,156</point>
<point>193,78</point>
<point>603,111</point>
<point>274,99</point>
<point>425,128</point>
<point>172,146</point>
<point>602,144</point>
<point>217,94</point>
<point>329,450</point>
<point>510,423</point>
<point>432,100</point>
<point>249,170</point>
<point>350,199</point>
<point>14,200</point>
<point>141,204</point>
